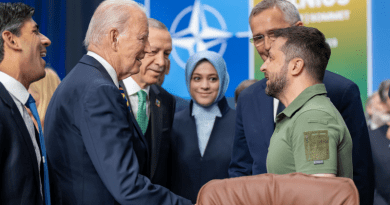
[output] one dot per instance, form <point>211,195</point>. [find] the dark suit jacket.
<point>19,176</point>
<point>162,111</point>
<point>255,125</point>
<point>97,154</point>
<point>181,103</point>
<point>381,156</point>
<point>190,171</point>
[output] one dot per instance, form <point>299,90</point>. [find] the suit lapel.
<point>267,114</point>
<point>86,59</point>
<point>135,123</point>
<point>192,131</point>
<point>156,119</point>
<point>18,120</point>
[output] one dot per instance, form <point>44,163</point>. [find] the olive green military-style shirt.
<point>311,137</point>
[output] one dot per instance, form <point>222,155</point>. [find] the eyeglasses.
<point>260,39</point>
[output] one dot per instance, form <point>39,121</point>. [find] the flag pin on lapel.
<point>158,103</point>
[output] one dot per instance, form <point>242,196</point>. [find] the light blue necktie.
<point>33,108</point>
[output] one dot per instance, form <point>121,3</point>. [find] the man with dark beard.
<point>310,134</point>
<point>256,111</point>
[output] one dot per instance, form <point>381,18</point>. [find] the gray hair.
<point>153,23</point>
<point>383,90</point>
<point>110,13</point>
<point>291,13</point>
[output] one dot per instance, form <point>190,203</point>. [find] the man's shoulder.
<point>254,88</point>
<point>253,91</point>
<point>85,74</point>
<point>318,107</point>
<point>378,132</point>
<point>161,91</point>
<point>336,81</point>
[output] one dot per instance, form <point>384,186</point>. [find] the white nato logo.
<point>198,36</point>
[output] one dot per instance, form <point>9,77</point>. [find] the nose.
<point>45,40</point>
<point>167,66</point>
<point>205,84</point>
<point>147,47</point>
<point>160,59</point>
<point>263,67</point>
<point>267,43</point>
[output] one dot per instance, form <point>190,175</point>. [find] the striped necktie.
<point>124,97</point>
<point>33,108</point>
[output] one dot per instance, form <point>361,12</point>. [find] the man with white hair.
<point>98,155</point>
<point>152,105</point>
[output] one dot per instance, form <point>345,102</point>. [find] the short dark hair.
<point>244,84</point>
<point>383,90</point>
<point>306,43</point>
<point>12,17</point>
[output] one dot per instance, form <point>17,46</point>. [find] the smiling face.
<point>155,62</point>
<point>264,22</point>
<point>33,47</point>
<point>132,44</point>
<point>204,84</point>
<point>275,69</point>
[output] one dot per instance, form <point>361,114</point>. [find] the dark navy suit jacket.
<point>98,155</point>
<point>190,170</point>
<point>255,125</point>
<point>19,176</point>
<point>381,156</point>
<point>181,103</point>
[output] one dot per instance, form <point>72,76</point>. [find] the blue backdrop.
<point>65,22</point>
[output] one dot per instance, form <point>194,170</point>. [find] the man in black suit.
<point>22,46</point>
<point>98,152</point>
<point>159,105</point>
<point>256,111</point>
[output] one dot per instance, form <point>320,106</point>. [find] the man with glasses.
<point>256,111</point>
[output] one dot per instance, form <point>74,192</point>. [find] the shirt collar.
<point>212,111</point>
<point>14,87</point>
<point>110,70</point>
<point>132,87</point>
<point>306,95</point>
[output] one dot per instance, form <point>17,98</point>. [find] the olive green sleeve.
<point>314,140</point>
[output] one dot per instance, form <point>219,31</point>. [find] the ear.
<point>296,66</point>
<point>10,40</point>
<point>299,23</point>
<point>168,66</point>
<point>114,35</point>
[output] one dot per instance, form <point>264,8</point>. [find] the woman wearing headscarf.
<point>202,134</point>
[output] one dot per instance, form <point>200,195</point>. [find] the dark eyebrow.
<point>36,26</point>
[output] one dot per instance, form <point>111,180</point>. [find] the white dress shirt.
<point>110,70</point>
<point>20,96</point>
<point>276,105</point>
<point>132,88</point>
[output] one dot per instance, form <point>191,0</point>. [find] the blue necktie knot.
<point>30,101</point>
